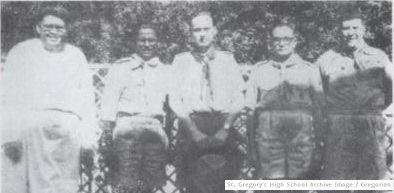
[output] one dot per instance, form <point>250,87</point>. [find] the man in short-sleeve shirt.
<point>355,86</point>
<point>284,94</point>
<point>206,96</point>
<point>132,103</point>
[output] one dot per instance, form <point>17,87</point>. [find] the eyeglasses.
<point>49,27</point>
<point>285,40</point>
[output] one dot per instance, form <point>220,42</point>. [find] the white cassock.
<point>48,105</point>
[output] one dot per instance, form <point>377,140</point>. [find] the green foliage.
<point>106,30</point>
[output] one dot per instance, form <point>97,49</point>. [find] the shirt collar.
<point>291,61</point>
<point>363,48</point>
<point>153,62</point>
<point>207,56</point>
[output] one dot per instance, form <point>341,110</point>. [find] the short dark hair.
<point>57,11</point>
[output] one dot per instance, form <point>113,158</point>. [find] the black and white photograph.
<point>180,96</point>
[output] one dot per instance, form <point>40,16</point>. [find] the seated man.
<point>284,91</point>
<point>357,91</point>
<point>133,104</point>
<point>48,110</point>
<point>206,97</point>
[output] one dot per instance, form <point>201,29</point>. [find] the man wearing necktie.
<point>207,96</point>
<point>132,105</point>
<point>356,85</point>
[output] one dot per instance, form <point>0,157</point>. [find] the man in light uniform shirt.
<point>206,97</point>
<point>283,92</point>
<point>355,79</point>
<point>133,101</point>
<point>48,110</point>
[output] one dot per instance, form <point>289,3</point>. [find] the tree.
<point>106,30</point>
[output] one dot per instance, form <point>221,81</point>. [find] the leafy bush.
<point>106,30</point>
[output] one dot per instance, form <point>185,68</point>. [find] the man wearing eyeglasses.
<point>283,91</point>
<point>48,110</point>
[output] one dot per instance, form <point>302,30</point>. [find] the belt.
<point>126,114</point>
<point>212,112</point>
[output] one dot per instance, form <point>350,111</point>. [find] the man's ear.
<point>294,43</point>
<point>38,29</point>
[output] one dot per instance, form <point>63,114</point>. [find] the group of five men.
<point>49,111</point>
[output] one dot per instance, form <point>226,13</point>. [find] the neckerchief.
<point>205,59</point>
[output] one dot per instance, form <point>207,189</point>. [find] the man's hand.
<point>13,150</point>
<point>194,132</point>
<point>221,135</point>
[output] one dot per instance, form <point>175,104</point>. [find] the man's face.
<point>52,30</point>
<point>146,43</point>
<point>283,41</point>
<point>203,31</point>
<point>353,31</point>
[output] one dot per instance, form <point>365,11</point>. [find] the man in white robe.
<point>48,111</point>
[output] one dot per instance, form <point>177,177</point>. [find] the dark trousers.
<point>204,165</point>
